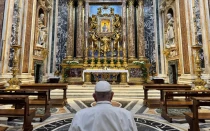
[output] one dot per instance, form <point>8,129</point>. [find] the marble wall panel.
<point>2,7</point>
<point>62,32</point>
<point>13,35</point>
<point>149,32</point>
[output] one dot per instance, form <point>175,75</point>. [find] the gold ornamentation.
<point>199,83</point>
<point>117,23</point>
<point>14,82</point>
<point>93,22</point>
<point>45,53</point>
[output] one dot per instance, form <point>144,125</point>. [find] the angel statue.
<point>117,23</point>
<point>116,40</point>
<point>106,41</point>
<point>93,22</point>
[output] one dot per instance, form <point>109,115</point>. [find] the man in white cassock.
<point>103,116</point>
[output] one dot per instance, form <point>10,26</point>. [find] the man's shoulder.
<point>122,110</point>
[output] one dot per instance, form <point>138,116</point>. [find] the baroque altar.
<point>105,40</point>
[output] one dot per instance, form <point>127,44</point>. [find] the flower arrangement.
<point>72,62</point>
<point>143,68</point>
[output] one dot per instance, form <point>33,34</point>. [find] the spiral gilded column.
<point>131,32</point>
<point>80,34</point>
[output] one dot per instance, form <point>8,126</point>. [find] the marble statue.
<point>42,32</point>
<point>170,32</point>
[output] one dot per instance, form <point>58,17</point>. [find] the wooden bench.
<point>194,117</point>
<point>3,128</point>
<point>32,102</point>
<point>179,98</point>
<point>49,86</point>
<point>27,113</point>
<point>153,103</point>
<point>2,86</point>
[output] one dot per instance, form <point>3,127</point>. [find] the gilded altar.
<point>105,45</point>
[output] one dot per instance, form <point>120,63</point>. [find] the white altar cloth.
<point>105,71</point>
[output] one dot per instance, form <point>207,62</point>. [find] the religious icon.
<point>105,26</point>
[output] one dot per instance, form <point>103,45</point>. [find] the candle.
<point>124,45</point>
<point>118,45</point>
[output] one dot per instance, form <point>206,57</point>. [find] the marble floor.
<point>146,119</point>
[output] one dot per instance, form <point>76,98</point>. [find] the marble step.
<point>131,92</point>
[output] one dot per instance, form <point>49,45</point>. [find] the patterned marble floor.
<point>146,119</point>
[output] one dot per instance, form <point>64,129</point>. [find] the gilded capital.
<point>140,2</point>
<point>80,2</point>
<point>130,2</point>
<point>71,2</point>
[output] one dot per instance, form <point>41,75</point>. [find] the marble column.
<point>131,32</point>
<point>86,25</point>
<point>140,30</point>
<point>80,35</point>
<point>205,36</point>
<point>70,38</point>
<point>7,37</point>
<point>124,25</point>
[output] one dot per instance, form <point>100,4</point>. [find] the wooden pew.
<point>32,102</point>
<point>27,113</point>
<point>49,86</point>
<point>153,103</point>
<point>179,98</point>
<point>3,128</point>
<point>194,117</point>
<point>2,86</point>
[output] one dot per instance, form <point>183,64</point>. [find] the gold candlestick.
<point>112,58</point>
<point>92,64</point>
<point>14,82</point>
<point>118,56</point>
<point>125,64</point>
<point>199,83</point>
<point>99,57</point>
